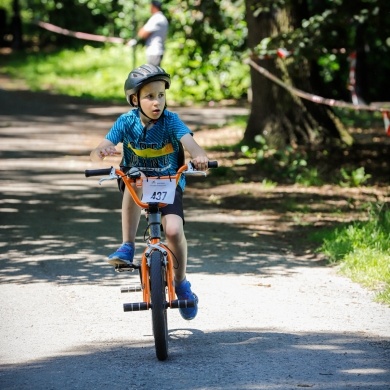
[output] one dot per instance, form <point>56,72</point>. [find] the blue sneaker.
<point>123,256</point>
<point>183,291</point>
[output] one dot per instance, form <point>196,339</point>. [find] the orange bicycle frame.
<point>129,182</point>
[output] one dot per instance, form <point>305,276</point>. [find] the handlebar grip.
<point>97,172</point>
<point>213,164</point>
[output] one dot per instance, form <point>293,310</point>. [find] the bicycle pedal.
<point>126,267</point>
<point>137,306</point>
<point>182,303</point>
<point>134,287</point>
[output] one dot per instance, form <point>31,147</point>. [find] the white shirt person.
<point>154,32</point>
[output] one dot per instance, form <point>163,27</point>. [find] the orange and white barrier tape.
<point>352,77</point>
<point>321,100</point>
<point>387,122</point>
<point>281,53</point>
<point>79,35</point>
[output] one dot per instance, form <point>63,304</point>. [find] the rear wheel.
<point>159,309</point>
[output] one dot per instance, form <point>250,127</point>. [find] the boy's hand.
<point>107,151</point>
<point>201,163</point>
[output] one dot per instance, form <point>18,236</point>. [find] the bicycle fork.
<point>171,302</point>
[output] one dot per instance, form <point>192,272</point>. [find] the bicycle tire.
<point>159,307</point>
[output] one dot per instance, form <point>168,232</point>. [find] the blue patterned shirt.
<point>154,151</point>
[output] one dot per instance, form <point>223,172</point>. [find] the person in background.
<point>154,33</point>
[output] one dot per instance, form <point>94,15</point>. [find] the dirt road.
<point>267,319</point>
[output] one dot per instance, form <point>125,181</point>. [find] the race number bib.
<point>159,191</point>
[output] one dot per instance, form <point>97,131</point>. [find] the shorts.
<point>176,208</point>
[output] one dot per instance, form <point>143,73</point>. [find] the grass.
<point>363,251</point>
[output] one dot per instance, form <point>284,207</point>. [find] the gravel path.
<point>267,319</point>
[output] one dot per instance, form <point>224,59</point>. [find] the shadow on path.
<point>242,359</point>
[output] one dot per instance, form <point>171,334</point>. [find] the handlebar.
<point>107,171</point>
<point>97,172</point>
<point>129,179</point>
<point>212,164</point>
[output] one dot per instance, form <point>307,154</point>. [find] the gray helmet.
<point>143,75</point>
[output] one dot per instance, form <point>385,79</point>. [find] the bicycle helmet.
<point>143,75</point>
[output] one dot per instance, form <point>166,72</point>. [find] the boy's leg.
<point>130,220</point>
<point>177,243</point>
<point>131,214</point>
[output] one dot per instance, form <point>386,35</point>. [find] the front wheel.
<point>159,307</point>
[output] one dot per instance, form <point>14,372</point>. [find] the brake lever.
<point>112,176</point>
<point>192,171</point>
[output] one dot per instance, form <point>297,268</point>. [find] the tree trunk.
<point>16,26</point>
<point>280,117</point>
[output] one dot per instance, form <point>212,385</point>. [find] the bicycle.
<point>156,268</point>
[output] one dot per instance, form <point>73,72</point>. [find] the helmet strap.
<point>139,106</point>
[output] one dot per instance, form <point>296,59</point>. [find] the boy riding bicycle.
<point>152,140</point>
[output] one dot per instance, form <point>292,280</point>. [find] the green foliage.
<point>200,79</point>
<point>266,183</point>
<point>205,50</point>
<point>7,5</point>
<point>327,32</point>
<point>286,163</point>
<point>359,118</point>
<point>353,177</point>
<point>119,18</point>
<point>309,177</point>
<point>363,250</point>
